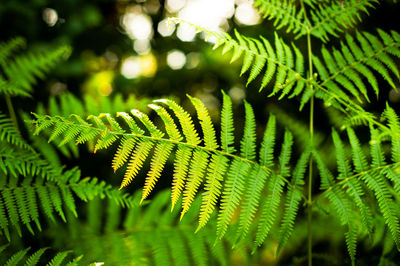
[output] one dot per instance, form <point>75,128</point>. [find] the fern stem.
<point>11,111</point>
<point>310,172</point>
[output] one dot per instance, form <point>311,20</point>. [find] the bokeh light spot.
<point>137,26</point>
<point>164,29</point>
<point>246,14</point>
<point>176,59</point>
<point>50,16</point>
<point>130,67</point>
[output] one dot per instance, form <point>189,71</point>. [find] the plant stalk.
<point>11,111</point>
<point>310,166</point>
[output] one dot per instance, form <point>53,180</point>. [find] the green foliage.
<point>205,161</point>
<point>35,258</point>
<point>248,193</point>
<point>18,75</point>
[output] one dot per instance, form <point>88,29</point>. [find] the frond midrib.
<point>180,143</point>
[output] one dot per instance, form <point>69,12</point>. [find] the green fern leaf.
<point>17,257</point>
<point>170,126</point>
<point>213,187</point>
<point>227,129</point>
<point>210,140</point>
<point>268,143</point>
<point>136,161</point>
<point>185,121</point>
<point>181,166</point>
<point>195,177</point>
<point>293,199</point>
<point>248,142</point>
<point>375,182</point>
<point>58,259</point>
<point>251,200</point>
<point>353,187</point>
<point>232,194</point>
<point>333,17</point>
<point>124,150</point>
<point>161,154</point>
<point>285,13</point>
<point>269,208</point>
<point>34,258</point>
<point>154,131</point>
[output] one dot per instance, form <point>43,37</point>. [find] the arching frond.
<point>20,204</point>
<point>225,172</point>
<point>351,194</point>
<point>333,17</point>
<point>356,60</point>
<point>141,239</point>
<point>10,134</point>
<point>285,14</point>
<point>61,258</point>
<point>21,72</point>
<point>285,63</point>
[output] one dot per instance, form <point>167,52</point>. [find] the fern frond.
<point>210,140</point>
<point>293,199</point>
<point>251,200</point>
<point>353,187</point>
<point>334,17</point>
<point>394,123</point>
<point>136,161</point>
<point>285,13</point>
<point>181,166</point>
<point>186,122</point>
<point>197,161</point>
<point>375,182</point>
<point>269,209</point>
<point>21,256</point>
<point>21,72</point>
<point>144,240</point>
<point>10,134</point>
<point>7,48</point>
<point>123,152</point>
<point>274,191</point>
<point>358,59</point>
<point>285,64</point>
<point>20,204</point>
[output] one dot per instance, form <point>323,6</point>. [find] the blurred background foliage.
<point>124,54</point>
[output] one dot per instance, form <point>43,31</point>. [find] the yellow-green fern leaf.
<point>198,166</point>
<point>124,150</point>
<point>161,154</point>
<point>181,167</point>
<point>213,187</point>
<point>170,126</point>
<point>210,140</point>
<point>185,120</point>
<point>135,163</point>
